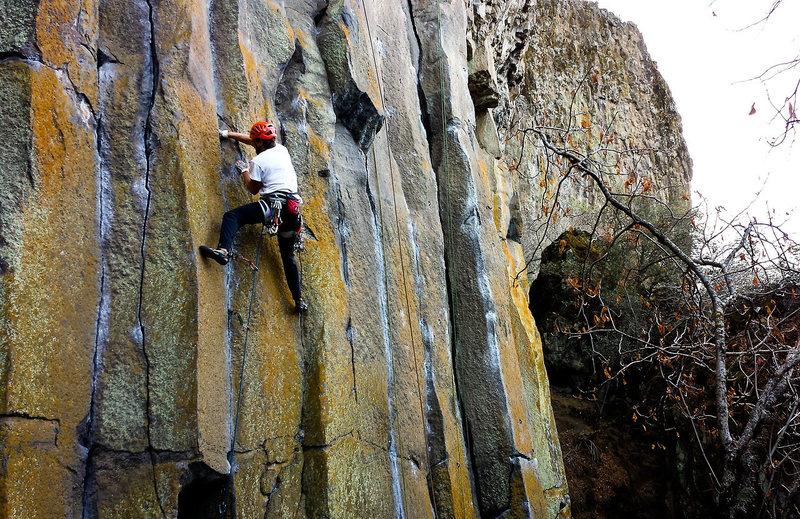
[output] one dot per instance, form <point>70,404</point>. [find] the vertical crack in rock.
<point>104,215</point>
<point>103,309</point>
<point>423,102</point>
<point>350,331</point>
<point>495,475</point>
<point>459,395</point>
<point>228,280</point>
<point>449,275</point>
<point>434,418</point>
<point>431,412</point>
<point>383,301</point>
<point>344,232</point>
<point>153,69</point>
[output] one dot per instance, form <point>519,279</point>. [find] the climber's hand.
<point>223,134</point>
<point>241,166</point>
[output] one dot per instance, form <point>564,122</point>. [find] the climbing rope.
<point>385,262</point>
<point>402,263</point>
<point>232,453</point>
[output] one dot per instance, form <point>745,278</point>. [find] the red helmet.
<point>263,130</point>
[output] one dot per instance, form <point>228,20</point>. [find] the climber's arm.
<point>241,137</point>
<point>253,186</point>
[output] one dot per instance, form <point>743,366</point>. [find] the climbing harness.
<point>271,206</point>
<point>232,452</point>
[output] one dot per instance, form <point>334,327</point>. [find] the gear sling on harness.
<point>271,206</point>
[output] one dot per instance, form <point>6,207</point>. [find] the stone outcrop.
<point>570,66</point>
<point>415,386</point>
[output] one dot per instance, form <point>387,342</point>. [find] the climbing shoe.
<point>300,306</point>
<point>221,256</point>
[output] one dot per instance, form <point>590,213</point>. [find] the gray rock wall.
<point>414,387</point>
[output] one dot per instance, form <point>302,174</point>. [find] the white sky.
<point>705,56</point>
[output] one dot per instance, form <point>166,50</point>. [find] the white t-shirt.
<point>273,168</point>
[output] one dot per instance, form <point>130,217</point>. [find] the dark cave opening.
<point>203,496</point>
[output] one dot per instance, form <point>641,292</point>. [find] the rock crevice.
<point>152,77</point>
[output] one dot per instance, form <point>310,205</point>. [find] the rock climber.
<point>272,176</point>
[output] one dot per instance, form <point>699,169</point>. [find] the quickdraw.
<point>275,216</point>
<point>239,257</point>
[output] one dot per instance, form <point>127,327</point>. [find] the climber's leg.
<point>286,238</point>
<point>234,219</point>
<point>231,222</point>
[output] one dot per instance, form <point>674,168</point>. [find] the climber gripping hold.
<point>272,176</point>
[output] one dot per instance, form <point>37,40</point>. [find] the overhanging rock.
<point>348,54</point>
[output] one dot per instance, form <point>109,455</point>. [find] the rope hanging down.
<point>402,262</point>
<point>232,453</point>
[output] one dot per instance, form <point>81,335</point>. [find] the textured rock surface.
<point>415,386</point>
<point>566,64</point>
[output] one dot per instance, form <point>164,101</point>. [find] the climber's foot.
<point>221,256</point>
<point>300,306</point>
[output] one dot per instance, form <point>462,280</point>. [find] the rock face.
<point>570,66</point>
<point>414,387</point>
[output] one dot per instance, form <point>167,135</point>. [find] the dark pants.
<point>252,214</point>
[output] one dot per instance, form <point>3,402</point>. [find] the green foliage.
<point>747,495</point>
